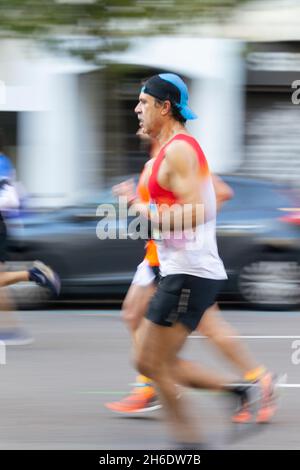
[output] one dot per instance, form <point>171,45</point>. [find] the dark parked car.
<point>259,241</point>
<point>258,237</point>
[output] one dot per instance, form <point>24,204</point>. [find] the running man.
<point>191,277</point>
<point>143,396</point>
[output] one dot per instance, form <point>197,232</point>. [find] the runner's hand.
<point>126,189</point>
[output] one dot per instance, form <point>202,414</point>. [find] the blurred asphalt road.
<point>53,391</point>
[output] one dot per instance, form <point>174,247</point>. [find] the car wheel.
<point>271,282</point>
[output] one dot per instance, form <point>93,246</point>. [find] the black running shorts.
<point>182,298</point>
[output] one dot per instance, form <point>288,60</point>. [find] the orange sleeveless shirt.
<point>144,196</point>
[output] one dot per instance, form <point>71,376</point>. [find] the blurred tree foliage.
<point>119,19</point>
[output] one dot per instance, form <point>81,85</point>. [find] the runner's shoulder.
<point>180,153</point>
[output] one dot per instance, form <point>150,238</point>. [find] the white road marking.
<point>289,385</point>
<point>250,337</point>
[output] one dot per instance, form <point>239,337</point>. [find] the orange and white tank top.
<point>143,193</point>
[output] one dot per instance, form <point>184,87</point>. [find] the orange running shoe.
<point>140,400</point>
<point>258,401</point>
<point>267,407</point>
<point>242,416</point>
<point>243,413</point>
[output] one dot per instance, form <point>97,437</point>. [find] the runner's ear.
<point>166,107</point>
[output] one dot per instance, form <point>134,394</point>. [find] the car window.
<point>253,196</point>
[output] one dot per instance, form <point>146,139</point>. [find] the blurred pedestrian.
<point>11,331</point>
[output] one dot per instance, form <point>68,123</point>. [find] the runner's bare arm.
<point>185,182</point>
<point>223,191</point>
<point>183,169</point>
<point>126,189</point>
